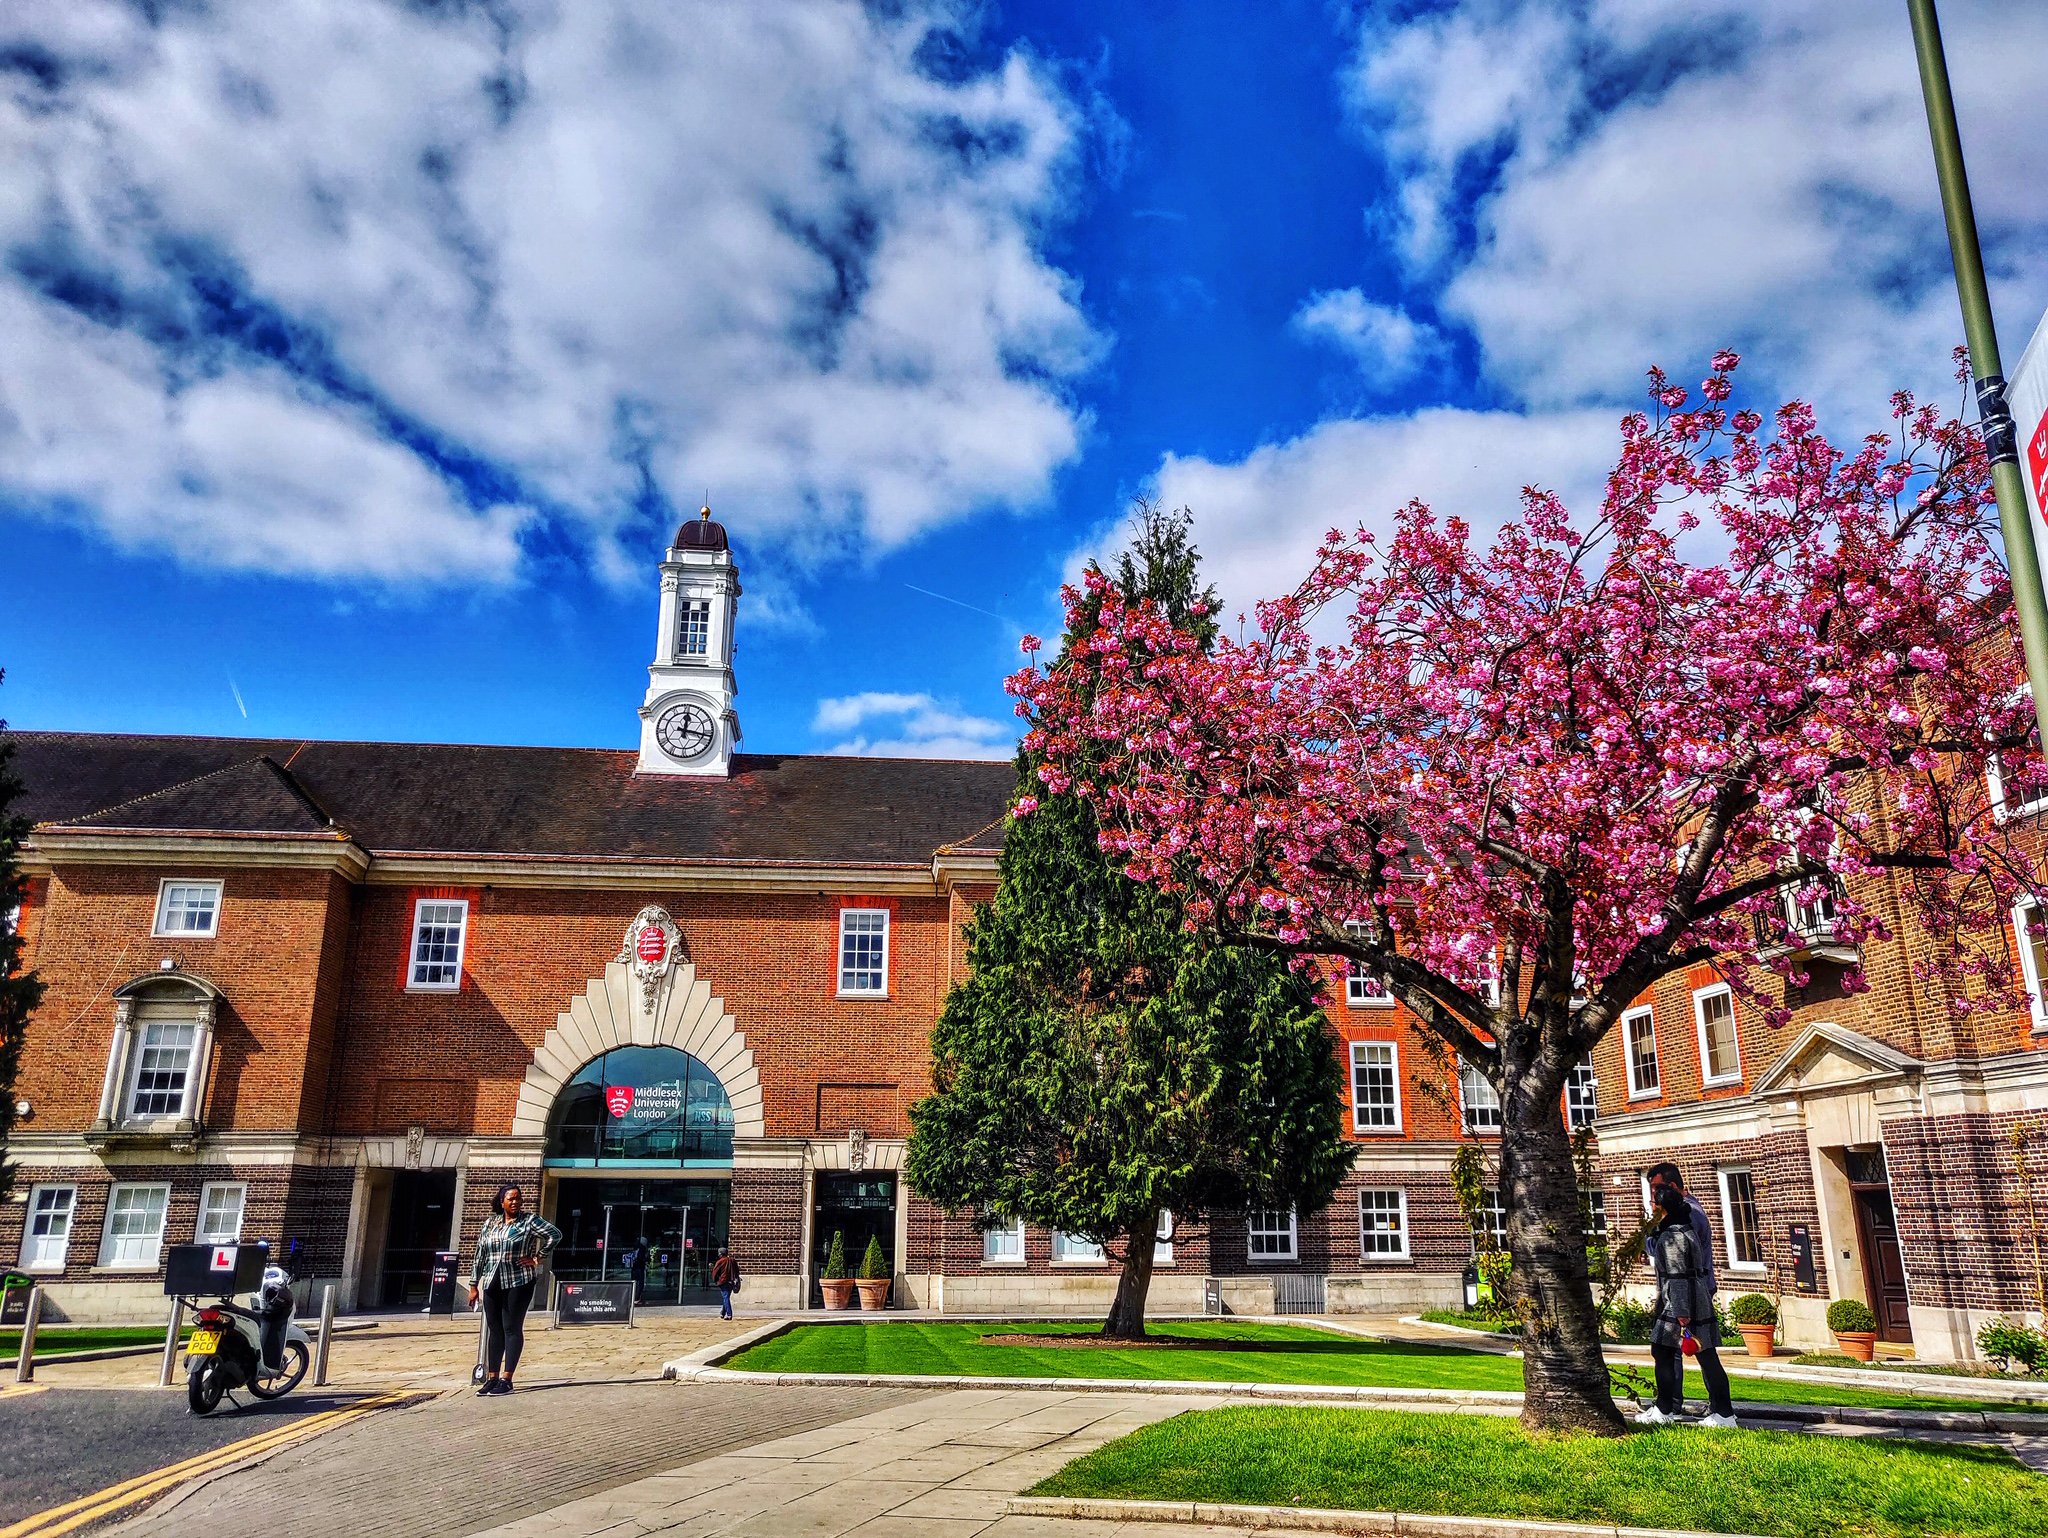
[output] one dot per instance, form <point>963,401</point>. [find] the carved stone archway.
<point>615,1011</point>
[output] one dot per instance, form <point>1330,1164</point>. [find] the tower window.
<point>693,627</point>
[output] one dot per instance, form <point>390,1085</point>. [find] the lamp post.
<point>1995,417</point>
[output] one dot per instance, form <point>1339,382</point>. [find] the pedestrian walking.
<point>725,1276</point>
<point>503,1274</point>
<point>1681,1255</point>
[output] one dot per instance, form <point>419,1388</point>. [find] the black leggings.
<point>505,1325</point>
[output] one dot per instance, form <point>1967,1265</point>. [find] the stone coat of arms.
<point>653,946</point>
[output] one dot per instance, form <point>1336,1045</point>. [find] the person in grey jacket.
<point>1683,1262</point>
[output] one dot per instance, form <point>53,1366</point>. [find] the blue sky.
<point>357,357</point>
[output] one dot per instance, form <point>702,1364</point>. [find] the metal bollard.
<point>25,1358</point>
<point>326,1331</point>
<point>168,1372</point>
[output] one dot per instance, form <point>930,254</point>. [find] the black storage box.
<point>213,1270</point>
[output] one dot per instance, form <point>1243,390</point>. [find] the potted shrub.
<point>874,1276</point>
<point>1756,1316</point>
<point>836,1284</point>
<point>1855,1328</point>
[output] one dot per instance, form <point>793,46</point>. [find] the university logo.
<point>653,944</point>
<point>618,1099</point>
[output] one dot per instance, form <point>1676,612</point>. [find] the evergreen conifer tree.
<point>19,990</point>
<point>1103,1065</point>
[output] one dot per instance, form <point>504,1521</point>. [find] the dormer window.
<point>187,910</point>
<point>693,627</point>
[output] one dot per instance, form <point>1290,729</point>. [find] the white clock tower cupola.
<point>687,722</point>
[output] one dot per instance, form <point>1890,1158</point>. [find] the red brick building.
<point>330,994</point>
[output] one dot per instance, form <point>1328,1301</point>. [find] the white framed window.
<point>1003,1246</point>
<point>1383,1225</point>
<point>46,1231</point>
<point>1739,1216</point>
<point>1720,1054</point>
<point>1162,1244</point>
<point>1490,1222</point>
<point>1593,1211</point>
<point>220,1212</point>
<point>1639,1042</point>
<point>1582,1094</point>
<point>162,1075</point>
<point>1273,1235</point>
<point>1363,987</point>
<point>187,910</point>
<point>2030,927</point>
<point>1073,1250</point>
<point>134,1232</point>
<point>693,627</point>
<point>439,926</point>
<point>1476,1098</point>
<point>863,950</point>
<point>1375,1086</point>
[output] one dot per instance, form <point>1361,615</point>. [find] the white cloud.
<point>579,248</point>
<point>1625,182</point>
<point>922,727</point>
<point>1386,342</point>
<point>1258,520</point>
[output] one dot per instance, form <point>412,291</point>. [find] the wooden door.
<point>1884,1265</point>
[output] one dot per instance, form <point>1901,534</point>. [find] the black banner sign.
<point>1803,1277</point>
<point>594,1303</point>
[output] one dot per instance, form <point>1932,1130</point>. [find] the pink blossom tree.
<point>1521,783</point>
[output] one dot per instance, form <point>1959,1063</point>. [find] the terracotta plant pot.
<point>1758,1339</point>
<point>874,1294</point>
<point>839,1293</point>
<point>1861,1344</point>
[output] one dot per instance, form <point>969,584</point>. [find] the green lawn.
<point>1462,1465</point>
<point>1256,1353</point>
<point>59,1339</point>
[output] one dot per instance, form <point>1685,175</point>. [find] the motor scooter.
<point>258,1347</point>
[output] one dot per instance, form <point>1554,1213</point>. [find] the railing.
<point>1297,1294</point>
<point>1801,924</point>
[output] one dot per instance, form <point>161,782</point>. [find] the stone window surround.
<point>158,993</point>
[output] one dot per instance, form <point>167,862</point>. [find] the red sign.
<point>653,944</point>
<point>2037,461</point>
<point>618,1098</point>
<point>223,1258</point>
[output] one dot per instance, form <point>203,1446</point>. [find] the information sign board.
<point>594,1302</point>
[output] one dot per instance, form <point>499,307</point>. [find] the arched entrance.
<point>640,1140</point>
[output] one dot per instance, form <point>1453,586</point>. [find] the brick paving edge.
<point>1311,1519</point>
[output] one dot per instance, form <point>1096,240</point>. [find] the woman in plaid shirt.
<point>508,1259</point>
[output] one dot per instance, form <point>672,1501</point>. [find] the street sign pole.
<point>1994,415</point>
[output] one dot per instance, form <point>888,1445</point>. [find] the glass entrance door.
<point>857,1208</point>
<point>663,1234</point>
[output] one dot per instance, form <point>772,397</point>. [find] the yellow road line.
<point>77,1513</point>
<point>21,1390</point>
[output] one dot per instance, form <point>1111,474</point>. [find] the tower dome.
<point>701,533</point>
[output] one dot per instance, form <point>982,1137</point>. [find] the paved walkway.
<point>940,1466</point>
<point>458,1463</point>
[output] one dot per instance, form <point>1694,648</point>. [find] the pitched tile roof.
<point>455,799</point>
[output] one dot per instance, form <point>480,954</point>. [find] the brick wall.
<point>1966,1228</point>
<point>767,1225</point>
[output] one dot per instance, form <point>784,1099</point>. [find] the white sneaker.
<point>1719,1422</point>
<point>1650,1415</point>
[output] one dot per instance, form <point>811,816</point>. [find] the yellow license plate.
<point>203,1343</point>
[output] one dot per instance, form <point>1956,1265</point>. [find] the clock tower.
<point>687,721</point>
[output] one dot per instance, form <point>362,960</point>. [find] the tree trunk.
<point>1127,1312</point>
<point>1566,1387</point>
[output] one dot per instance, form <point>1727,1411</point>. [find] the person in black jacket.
<point>1685,1309</point>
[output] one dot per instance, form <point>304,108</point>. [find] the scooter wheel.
<point>203,1389</point>
<point>277,1384</point>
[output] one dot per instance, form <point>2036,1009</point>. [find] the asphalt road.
<point>59,1443</point>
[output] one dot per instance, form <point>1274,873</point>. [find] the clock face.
<point>684,731</point>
